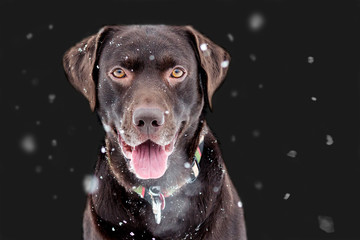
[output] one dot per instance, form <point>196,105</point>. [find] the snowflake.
<point>258,185</point>
<point>292,153</point>
<point>225,64</point>
<point>51,98</point>
<point>38,169</point>
<point>203,47</point>
<point>29,36</point>
<point>230,37</point>
<point>256,21</point>
<point>234,93</point>
<point>91,184</point>
<point>54,143</point>
<point>252,57</point>
<point>103,149</point>
<point>329,140</point>
<point>187,165</point>
<point>28,143</point>
<point>286,196</point>
<point>310,59</point>
<point>326,224</point>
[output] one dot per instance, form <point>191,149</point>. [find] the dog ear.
<point>79,63</point>
<point>213,59</point>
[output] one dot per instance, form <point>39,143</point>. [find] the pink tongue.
<point>149,160</point>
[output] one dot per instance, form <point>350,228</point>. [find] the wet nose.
<point>148,120</point>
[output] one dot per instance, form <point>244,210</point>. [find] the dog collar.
<point>156,196</point>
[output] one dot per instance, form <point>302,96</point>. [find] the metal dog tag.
<point>156,202</point>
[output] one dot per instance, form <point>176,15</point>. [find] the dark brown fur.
<point>205,209</point>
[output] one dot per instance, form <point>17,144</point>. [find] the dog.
<point>160,174</point>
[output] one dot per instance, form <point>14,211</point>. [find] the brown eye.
<point>118,73</point>
<point>177,73</point>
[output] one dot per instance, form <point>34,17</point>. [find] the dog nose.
<point>148,120</point>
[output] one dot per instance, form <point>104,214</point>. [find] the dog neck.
<point>116,193</point>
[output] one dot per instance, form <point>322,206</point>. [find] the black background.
<point>273,101</point>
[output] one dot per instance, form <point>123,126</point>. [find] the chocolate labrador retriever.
<point>161,174</point>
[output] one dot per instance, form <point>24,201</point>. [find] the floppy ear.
<point>79,63</point>
<point>213,59</point>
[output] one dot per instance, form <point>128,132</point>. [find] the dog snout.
<point>148,120</point>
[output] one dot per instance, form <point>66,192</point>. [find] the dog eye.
<point>118,73</point>
<point>177,73</point>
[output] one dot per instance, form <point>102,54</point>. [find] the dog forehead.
<point>148,40</point>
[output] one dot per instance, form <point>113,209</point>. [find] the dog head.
<point>145,83</point>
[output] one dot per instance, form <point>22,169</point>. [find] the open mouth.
<point>148,159</point>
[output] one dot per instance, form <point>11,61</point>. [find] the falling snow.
<point>258,185</point>
<point>256,133</point>
<point>151,57</point>
<point>230,37</point>
<point>35,81</point>
<point>51,98</point>
<point>38,169</point>
<point>91,184</point>
<point>326,224</point>
<point>29,36</point>
<point>51,27</point>
<point>256,21</point>
<point>187,165</point>
<point>292,154</point>
<point>225,64</point>
<point>103,149</point>
<point>234,93</point>
<point>54,143</point>
<point>252,57</point>
<point>286,196</point>
<point>28,143</point>
<point>329,140</point>
<point>239,204</point>
<point>132,234</point>
<point>203,47</point>
<point>107,128</point>
<point>314,99</point>
<point>310,59</point>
